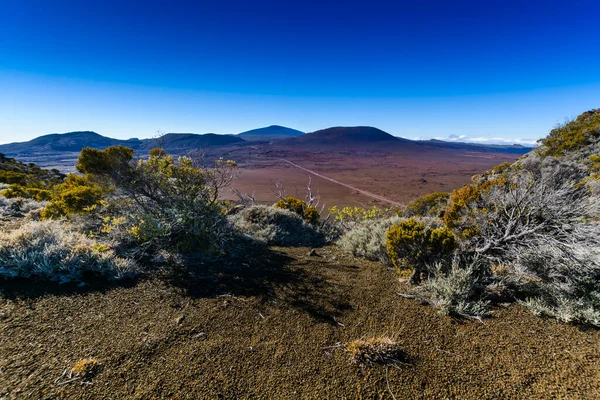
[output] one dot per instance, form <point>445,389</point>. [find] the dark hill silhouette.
<point>273,132</point>
<point>345,136</point>
<point>370,138</point>
<point>75,141</point>
<point>176,142</point>
<point>60,142</point>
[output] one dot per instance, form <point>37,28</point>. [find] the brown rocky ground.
<point>274,328</point>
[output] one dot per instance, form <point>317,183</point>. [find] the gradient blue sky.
<point>483,69</point>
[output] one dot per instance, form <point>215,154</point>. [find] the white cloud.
<point>482,140</point>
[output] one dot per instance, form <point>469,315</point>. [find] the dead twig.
<point>68,381</point>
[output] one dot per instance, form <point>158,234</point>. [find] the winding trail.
<point>363,192</point>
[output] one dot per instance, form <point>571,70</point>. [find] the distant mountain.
<point>73,142</point>
<point>60,142</point>
<point>177,142</point>
<point>273,132</point>
<point>341,136</point>
<point>366,137</point>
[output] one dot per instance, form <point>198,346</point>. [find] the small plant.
<point>368,239</point>
<point>50,251</point>
<point>276,226</point>
<point>459,291</point>
<point>429,205</point>
<point>76,195</point>
<point>376,350</point>
<point>300,207</point>
<point>412,245</point>
<point>85,368</point>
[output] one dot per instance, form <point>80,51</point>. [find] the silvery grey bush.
<point>276,226</point>
<point>49,250</point>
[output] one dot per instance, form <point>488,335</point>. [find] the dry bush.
<point>276,226</point>
<point>376,350</point>
<point>48,250</point>
<point>85,368</point>
<point>367,239</point>
<point>543,228</point>
<point>19,206</point>
<point>461,290</point>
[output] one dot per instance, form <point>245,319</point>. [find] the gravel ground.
<point>276,329</point>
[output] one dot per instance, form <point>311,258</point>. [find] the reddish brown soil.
<point>396,175</point>
<point>275,328</point>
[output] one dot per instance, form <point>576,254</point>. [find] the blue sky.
<point>480,69</point>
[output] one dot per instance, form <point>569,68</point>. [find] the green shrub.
<point>48,250</point>
<point>76,195</point>
<point>16,190</point>
<point>298,206</point>
<point>573,135</point>
<point>460,215</point>
<point>173,203</point>
<point>412,245</point>
<point>430,205</point>
<point>12,177</point>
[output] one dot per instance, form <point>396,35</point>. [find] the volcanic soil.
<point>399,175</point>
<point>275,327</point>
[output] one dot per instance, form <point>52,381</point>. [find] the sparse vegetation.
<point>51,251</point>
<point>573,135</point>
<point>376,350</point>
<point>429,205</point>
<point>367,239</point>
<point>85,368</point>
<point>411,245</point>
<point>20,206</point>
<point>277,226</point>
<point>166,203</point>
<point>308,212</point>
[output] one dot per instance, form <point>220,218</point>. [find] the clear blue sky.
<point>507,69</point>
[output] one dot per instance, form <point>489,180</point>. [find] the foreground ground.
<point>275,328</point>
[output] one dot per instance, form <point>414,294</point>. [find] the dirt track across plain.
<point>363,192</point>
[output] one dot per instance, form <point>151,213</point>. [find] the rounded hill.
<point>341,135</point>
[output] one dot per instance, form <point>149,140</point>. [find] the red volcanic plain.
<point>356,171</point>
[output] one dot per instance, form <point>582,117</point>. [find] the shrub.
<point>368,239</point>
<point>85,368</point>
<point>276,226</point>
<point>543,227</point>
<point>573,135</point>
<point>300,207</point>
<point>19,206</point>
<point>458,291</point>
<point>376,350</point>
<point>34,193</point>
<point>76,195</point>
<point>461,214</point>
<point>47,250</point>
<point>173,203</point>
<point>412,245</point>
<point>429,205</point>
